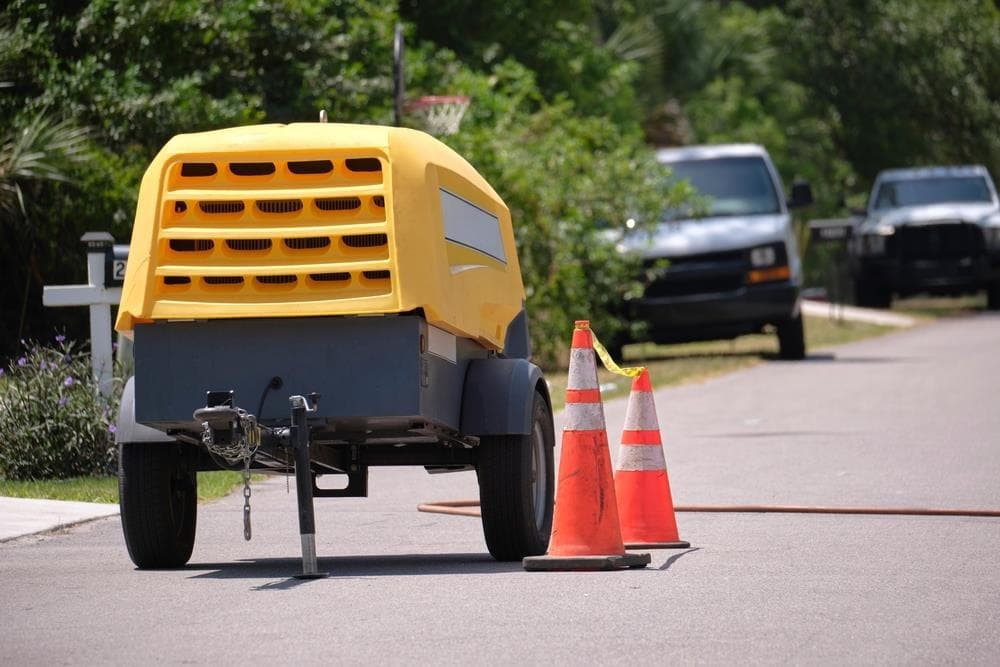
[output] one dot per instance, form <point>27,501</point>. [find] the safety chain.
<point>244,444</point>
<point>247,532</point>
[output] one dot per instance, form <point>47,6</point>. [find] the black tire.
<point>993,296</point>
<point>871,294</point>
<point>516,488</point>
<point>792,338</point>
<point>158,496</point>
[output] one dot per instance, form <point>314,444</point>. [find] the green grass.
<point>211,485</point>
<point>690,362</point>
<point>936,307</point>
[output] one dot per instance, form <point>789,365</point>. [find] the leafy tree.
<point>913,81</point>
<point>572,182</point>
<point>43,151</point>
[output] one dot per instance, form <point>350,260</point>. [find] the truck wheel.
<point>791,338</point>
<point>993,296</point>
<point>872,295</point>
<point>516,488</point>
<point>158,497</point>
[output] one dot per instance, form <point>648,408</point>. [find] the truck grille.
<point>699,274</point>
<point>274,230</point>
<point>940,241</point>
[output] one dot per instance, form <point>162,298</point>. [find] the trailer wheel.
<point>791,338</point>
<point>516,488</point>
<point>158,497</point>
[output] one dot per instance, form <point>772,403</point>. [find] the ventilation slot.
<point>176,280</point>
<point>311,167</point>
<point>276,280</point>
<point>223,280</point>
<point>248,244</point>
<point>338,204</point>
<point>331,277</point>
<point>366,240</point>
<point>191,245</point>
<point>376,275</point>
<point>198,169</point>
<point>379,201</point>
<point>364,164</point>
<point>251,168</point>
<point>219,207</point>
<point>279,205</point>
<point>310,243</point>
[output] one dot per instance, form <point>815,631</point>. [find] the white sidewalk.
<point>27,516</point>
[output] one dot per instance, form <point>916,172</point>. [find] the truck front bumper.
<point>935,276</point>
<point>717,315</point>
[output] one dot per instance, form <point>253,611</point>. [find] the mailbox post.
<point>105,269</point>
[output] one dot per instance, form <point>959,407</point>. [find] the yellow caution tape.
<point>609,363</point>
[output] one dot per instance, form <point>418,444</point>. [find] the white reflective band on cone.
<point>584,417</point>
<point>641,457</point>
<point>582,369</point>
<point>640,415</point>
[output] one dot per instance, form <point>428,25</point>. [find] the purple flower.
<point>68,382</point>
<point>112,429</point>
<point>63,401</point>
<point>1,373</point>
<point>60,338</point>
<point>23,361</point>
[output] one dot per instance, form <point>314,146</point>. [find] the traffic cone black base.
<point>584,563</point>
<point>658,545</point>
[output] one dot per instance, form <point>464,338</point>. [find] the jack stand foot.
<point>309,567</point>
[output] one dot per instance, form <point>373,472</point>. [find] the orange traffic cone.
<point>641,483</point>
<point>585,530</point>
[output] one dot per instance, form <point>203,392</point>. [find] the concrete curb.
<point>30,516</point>
<point>839,311</point>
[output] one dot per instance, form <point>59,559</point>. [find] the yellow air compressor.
<point>314,299</point>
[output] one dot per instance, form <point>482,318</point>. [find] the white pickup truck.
<point>730,267</point>
<point>932,230</point>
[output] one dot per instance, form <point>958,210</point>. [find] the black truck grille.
<point>698,274</point>
<point>943,241</point>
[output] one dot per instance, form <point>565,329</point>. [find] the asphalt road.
<point>910,419</point>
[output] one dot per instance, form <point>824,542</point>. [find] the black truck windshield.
<point>932,190</point>
<point>728,186</point>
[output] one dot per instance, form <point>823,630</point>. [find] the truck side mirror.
<point>801,194</point>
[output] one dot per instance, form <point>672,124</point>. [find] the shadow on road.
<point>673,559</point>
<point>339,567</point>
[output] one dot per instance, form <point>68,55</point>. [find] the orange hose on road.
<point>469,508</point>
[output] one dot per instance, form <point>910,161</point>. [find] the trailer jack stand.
<point>299,440</point>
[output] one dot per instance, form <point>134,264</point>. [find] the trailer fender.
<point>499,395</point>
<point>127,429</point>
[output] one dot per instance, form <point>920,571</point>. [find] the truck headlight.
<point>874,244</point>
<point>768,263</point>
<point>763,256</point>
<point>992,235</point>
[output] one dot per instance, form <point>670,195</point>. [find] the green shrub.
<point>53,423</point>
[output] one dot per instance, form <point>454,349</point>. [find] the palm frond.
<point>636,40</point>
<point>39,151</point>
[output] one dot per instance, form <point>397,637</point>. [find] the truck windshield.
<point>729,186</point>
<point>932,190</point>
